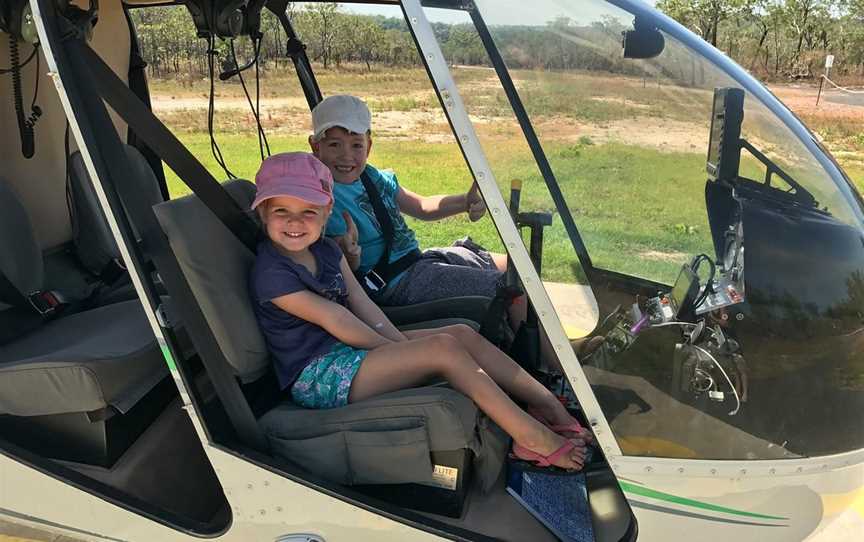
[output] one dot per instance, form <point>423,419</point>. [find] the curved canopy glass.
<point>668,156</point>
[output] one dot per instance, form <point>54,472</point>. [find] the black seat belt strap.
<point>103,84</point>
<point>164,144</point>
<point>138,85</point>
<point>383,217</point>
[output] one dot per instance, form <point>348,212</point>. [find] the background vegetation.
<point>772,38</point>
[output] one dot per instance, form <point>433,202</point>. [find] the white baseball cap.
<point>342,110</point>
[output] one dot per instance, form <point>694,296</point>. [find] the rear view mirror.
<point>644,41</point>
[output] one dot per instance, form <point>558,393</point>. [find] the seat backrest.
<point>94,243</point>
<point>216,266</point>
<point>20,256</point>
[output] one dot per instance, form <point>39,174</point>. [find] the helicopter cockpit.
<point>704,238</point>
<point>730,307</point>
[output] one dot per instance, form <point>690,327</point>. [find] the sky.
<point>506,12</point>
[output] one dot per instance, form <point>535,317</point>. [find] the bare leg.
<point>401,365</point>
<point>500,260</point>
<point>504,371</point>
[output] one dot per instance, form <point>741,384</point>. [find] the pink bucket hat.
<point>296,174</point>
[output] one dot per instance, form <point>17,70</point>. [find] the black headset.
<point>14,15</point>
<point>226,18</point>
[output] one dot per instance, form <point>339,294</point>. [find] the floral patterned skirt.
<point>326,381</point>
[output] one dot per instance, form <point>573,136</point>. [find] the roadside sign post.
<point>829,61</point>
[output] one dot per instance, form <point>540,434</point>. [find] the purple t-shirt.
<point>292,341</point>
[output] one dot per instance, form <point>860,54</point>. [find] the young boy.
<point>342,140</point>
<point>332,346</point>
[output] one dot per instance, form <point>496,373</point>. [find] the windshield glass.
<point>627,138</point>
<point>626,132</point>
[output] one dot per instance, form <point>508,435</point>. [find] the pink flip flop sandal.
<point>574,427</point>
<point>540,462</point>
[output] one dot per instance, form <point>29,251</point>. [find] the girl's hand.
<point>474,203</point>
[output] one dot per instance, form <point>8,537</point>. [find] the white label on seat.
<point>445,477</point>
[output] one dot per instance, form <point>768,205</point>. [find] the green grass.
<point>634,225</point>
<point>639,209</point>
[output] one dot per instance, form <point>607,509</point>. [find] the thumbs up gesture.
<point>474,203</point>
<point>349,242</point>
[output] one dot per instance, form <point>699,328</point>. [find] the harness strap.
<point>376,279</point>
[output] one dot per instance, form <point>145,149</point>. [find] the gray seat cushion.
<point>216,265</point>
<point>82,362</point>
<point>386,439</point>
<point>93,240</point>
<point>471,308</point>
<point>20,256</point>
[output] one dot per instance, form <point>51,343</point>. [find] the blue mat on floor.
<point>559,502</point>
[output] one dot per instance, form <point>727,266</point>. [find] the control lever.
<point>526,344</point>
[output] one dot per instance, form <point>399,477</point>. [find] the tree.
<point>701,16</point>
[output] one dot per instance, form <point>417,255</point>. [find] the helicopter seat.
<point>72,386</point>
<point>95,247</point>
<point>393,440</point>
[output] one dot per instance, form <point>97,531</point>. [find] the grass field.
<point>629,156</point>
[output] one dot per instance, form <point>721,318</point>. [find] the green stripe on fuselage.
<point>647,492</point>
<point>169,359</point>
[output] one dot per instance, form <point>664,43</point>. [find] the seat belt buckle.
<point>45,303</point>
<point>373,282</point>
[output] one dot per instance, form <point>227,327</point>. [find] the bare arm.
<point>333,317</point>
<point>441,206</point>
<point>366,310</point>
<point>430,207</point>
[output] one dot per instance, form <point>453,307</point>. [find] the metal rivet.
<point>481,175</point>
<point>739,316</point>
<point>511,245</point>
<point>496,211</point>
<point>449,103</point>
<point>743,472</point>
<point>430,56</point>
<point>680,470</point>
<point>262,512</point>
<point>714,471</point>
<point>800,469</point>
<point>278,508</point>
<point>414,20</point>
<point>648,469</point>
<point>248,486</point>
<point>542,313</point>
<point>772,471</point>
<point>464,138</point>
<point>266,483</point>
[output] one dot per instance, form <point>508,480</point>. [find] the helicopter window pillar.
<point>484,172</point>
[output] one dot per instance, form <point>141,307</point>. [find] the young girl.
<point>333,346</point>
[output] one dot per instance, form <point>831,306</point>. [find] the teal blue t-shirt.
<point>353,198</point>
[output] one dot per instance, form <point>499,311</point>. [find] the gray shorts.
<point>463,269</point>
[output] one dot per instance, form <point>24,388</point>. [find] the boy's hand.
<point>348,242</point>
<point>474,203</point>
